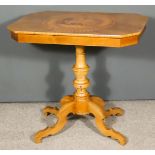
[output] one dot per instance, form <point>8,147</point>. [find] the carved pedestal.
<point>81,103</point>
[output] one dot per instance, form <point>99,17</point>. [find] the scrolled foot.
<point>50,110</point>
<point>110,132</point>
<point>97,100</point>
<point>114,112</point>
<point>99,115</point>
<point>38,136</point>
<point>66,99</point>
<point>62,119</point>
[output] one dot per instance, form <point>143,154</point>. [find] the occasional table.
<point>80,29</point>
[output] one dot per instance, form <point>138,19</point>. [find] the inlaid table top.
<point>79,28</point>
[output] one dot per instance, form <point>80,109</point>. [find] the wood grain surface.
<point>90,28</point>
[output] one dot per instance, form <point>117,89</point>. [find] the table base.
<point>81,103</point>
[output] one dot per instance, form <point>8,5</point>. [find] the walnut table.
<point>80,29</point>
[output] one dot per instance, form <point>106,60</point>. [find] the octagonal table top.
<point>79,28</point>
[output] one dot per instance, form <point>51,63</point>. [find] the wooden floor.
<point>19,121</point>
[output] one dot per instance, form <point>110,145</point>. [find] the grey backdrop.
<point>31,72</point>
